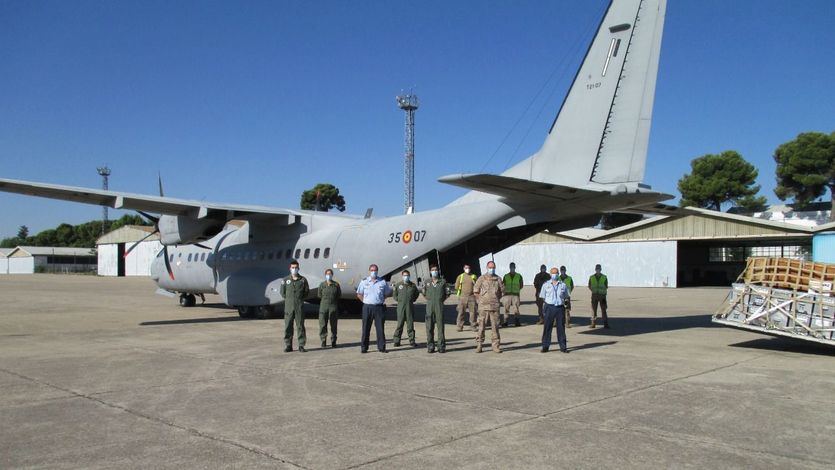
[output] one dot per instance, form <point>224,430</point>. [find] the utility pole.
<point>104,171</point>
<point>409,104</point>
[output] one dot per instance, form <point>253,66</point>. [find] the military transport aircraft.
<point>592,162</point>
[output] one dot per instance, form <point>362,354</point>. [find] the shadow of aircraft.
<point>787,345</point>
<point>629,326</point>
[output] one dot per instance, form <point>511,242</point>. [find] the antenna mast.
<point>409,104</point>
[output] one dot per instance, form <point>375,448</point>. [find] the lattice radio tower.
<point>409,104</point>
<point>104,171</point>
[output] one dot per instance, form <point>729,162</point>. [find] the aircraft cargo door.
<point>348,260</point>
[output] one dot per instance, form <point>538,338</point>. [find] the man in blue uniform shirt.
<point>554,292</point>
<point>373,291</point>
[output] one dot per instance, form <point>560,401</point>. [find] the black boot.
<point>430,349</point>
<point>288,349</point>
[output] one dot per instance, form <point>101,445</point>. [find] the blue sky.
<point>253,102</point>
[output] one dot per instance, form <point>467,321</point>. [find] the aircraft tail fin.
<point>601,132</point>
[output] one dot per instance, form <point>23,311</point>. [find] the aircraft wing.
<point>158,204</point>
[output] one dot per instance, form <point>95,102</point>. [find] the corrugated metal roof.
<point>23,251</point>
<point>127,234</point>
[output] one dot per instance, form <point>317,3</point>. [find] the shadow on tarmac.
<point>786,345</point>
<point>628,326</point>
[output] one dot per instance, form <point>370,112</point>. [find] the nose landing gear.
<point>187,300</point>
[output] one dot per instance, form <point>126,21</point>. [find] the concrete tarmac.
<point>102,373</point>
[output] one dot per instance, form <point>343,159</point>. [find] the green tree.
<point>23,232</point>
<point>322,197</point>
<point>806,168</point>
<point>717,179</point>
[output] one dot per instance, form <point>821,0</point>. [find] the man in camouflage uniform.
<point>435,292</point>
<point>405,293</point>
<point>329,292</point>
<point>294,290</point>
<point>488,290</point>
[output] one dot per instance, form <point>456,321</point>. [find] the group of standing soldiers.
<point>481,296</point>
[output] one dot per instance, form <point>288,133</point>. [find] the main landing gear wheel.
<point>187,300</point>
<point>263,312</point>
<point>246,312</point>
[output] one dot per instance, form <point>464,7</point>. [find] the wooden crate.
<point>788,273</point>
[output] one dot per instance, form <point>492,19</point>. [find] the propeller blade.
<point>149,217</point>
<point>159,178</point>
<point>127,252</point>
<point>200,245</point>
<point>167,263</point>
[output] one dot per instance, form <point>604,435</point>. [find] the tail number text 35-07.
<point>407,236</point>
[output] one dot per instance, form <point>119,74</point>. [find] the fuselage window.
<point>327,253</point>
<point>270,255</point>
<point>189,258</point>
<point>287,253</point>
<point>224,256</point>
<point>298,253</point>
<point>260,255</point>
<point>316,253</point>
<point>307,253</point>
<point>203,257</point>
<point>171,258</point>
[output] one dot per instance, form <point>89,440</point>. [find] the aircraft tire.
<point>263,312</point>
<point>246,312</point>
<point>187,300</point>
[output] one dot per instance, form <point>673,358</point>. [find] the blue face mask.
<point>406,278</point>
<point>294,271</point>
<point>491,271</point>
<point>434,273</point>
<point>373,274</point>
<point>328,277</point>
<point>553,277</point>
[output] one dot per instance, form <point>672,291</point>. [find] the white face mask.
<point>434,273</point>
<point>294,271</point>
<point>373,274</point>
<point>467,270</point>
<point>328,277</point>
<point>491,271</point>
<point>406,278</point>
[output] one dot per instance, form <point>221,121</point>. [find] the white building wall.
<point>108,262</point>
<point>138,262</point>
<point>626,264</point>
<point>4,266</point>
<point>22,265</point>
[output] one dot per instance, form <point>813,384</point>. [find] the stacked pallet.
<point>783,297</point>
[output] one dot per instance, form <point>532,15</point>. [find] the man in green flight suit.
<point>435,292</point>
<point>329,292</point>
<point>405,293</point>
<point>294,290</point>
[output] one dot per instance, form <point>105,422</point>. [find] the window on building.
<point>307,253</point>
<point>316,253</point>
<point>327,253</point>
<point>726,254</point>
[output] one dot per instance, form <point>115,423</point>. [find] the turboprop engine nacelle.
<point>179,230</point>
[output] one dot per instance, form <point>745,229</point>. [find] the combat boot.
<point>397,344</point>
<point>496,348</point>
<point>593,323</point>
<point>324,344</point>
<point>517,321</point>
<point>478,348</point>
<point>412,343</point>
<point>430,349</point>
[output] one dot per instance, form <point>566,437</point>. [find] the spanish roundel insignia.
<point>407,236</point>
<point>401,287</point>
<point>288,281</point>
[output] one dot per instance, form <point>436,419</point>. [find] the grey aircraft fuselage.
<point>592,162</point>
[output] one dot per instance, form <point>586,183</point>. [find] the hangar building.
<point>704,249</point>
<point>112,247</point>
<point>4,261</point>
<point>32,259</point>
